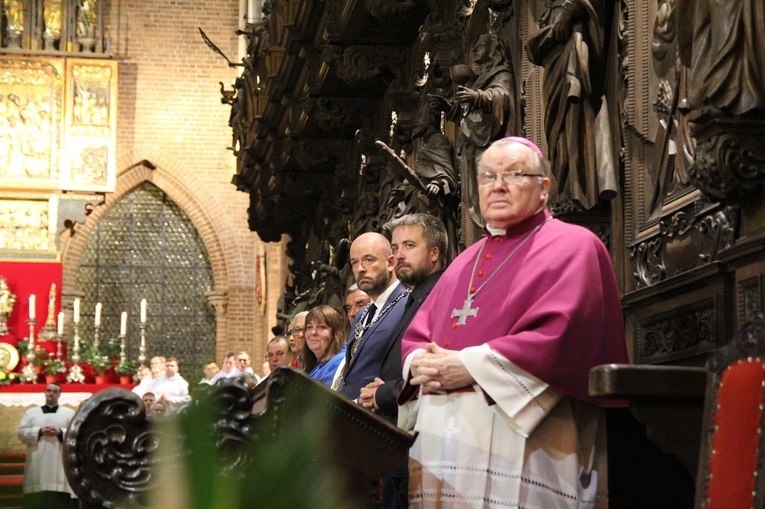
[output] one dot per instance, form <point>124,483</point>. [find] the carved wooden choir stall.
<point>112,451</point>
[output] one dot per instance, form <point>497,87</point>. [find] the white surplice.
<point>44,470</point>
<point>534,448</point>
<point>175,390</point>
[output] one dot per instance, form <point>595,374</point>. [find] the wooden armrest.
<point>631,381</point>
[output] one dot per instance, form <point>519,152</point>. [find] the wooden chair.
<point>732,456</point>
<point>728,460</point>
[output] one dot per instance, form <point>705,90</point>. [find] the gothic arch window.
<point>146,247</point>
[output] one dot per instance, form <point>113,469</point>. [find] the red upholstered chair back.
<point>731,462</point>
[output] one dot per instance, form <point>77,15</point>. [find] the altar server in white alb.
<point>42,429</point>
<point>172,388</point>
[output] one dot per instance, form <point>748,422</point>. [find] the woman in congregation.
<point>325,336</point>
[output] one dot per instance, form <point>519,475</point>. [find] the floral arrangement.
<point>98,362</point>
<point>126,367</point>
<point>54,366</point>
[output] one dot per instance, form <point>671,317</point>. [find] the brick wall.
<point>170,115</point>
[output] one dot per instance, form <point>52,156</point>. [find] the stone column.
<point>218,299</point>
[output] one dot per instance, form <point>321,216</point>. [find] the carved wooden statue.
<point>571,46</point>
<point>433,182</point>
<point>722,43</point>
<point>485,112</point>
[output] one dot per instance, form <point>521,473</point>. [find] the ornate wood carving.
<point>111,449</point>
<point>686,239</point>
<point>749,301</point>
<point>362,65</point>
<point>665,337</point>
<point>730,158</point>
<point>390,11</point>
<point>108,450</point>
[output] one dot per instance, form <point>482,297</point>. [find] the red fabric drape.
<point>25,279</point>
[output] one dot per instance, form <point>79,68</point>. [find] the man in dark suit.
<point>372,330</point>
<point>419,245</point>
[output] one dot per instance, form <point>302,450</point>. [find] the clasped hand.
<point>439,370</point>
<point>50,430</point>
<point>367,396</point>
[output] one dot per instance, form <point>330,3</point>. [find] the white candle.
<point>97,320</point>
<point>61,323</point>
<point>32,303</point>
<point>143,310</point>
<point>76,318</point>
<point>123,323</point>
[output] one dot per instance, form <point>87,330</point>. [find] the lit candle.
<point>97,321</point>
<point>32,302</point>
<point>76,318</point>
<point>123,324</point>
<point>143,310</point>
<point>61,323</point>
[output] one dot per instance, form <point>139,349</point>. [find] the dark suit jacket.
<point>367,362</point>
<point>391,364</point>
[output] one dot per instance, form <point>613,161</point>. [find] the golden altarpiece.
<point>58,118</point>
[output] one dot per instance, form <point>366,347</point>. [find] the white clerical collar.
<point>495,231</point>
<point>503,231</point>
<point>379,302</point>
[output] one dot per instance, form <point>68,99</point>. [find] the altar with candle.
<point>40,342</point>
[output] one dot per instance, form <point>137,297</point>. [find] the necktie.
<point>370,314</point>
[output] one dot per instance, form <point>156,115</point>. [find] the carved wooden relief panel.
<point>670,227</point>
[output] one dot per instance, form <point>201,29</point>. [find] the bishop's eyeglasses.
<point>508,177</point>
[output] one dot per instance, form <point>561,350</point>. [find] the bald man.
<point>372,330</point>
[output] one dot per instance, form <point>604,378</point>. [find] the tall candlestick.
<point>143,310</point>
<point>123,323</point>
<point>31,341</point>
<point>32,303</point>
<point>97,320</point>
<point>75,372</point>
<point>59,335</point>
<point>76,318</point>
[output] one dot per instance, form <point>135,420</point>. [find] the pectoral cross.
<point>467,310</point>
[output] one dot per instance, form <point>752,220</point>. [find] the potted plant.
<point>52,368</point>
<point>126,369</point>
<point>112,348</point>
<point>98,362</point>
<point>23,347</point>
